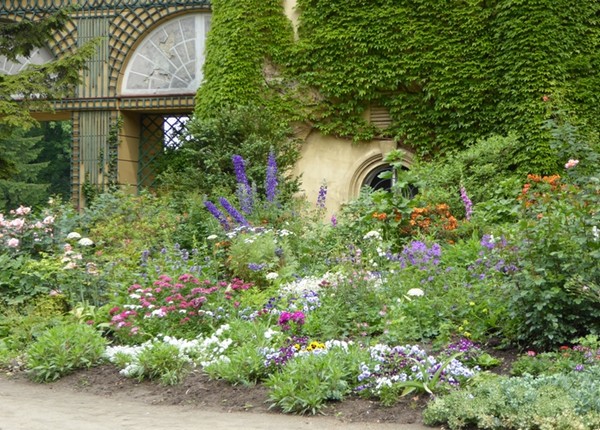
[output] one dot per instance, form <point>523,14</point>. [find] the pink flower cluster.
<point>571,163</point>
<point>13,231</point>
<point>179,301</point>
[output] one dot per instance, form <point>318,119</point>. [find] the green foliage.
<point>204,165</point>
<point>479,169</point>
<point>162,362</point>
<point>244,365</point>
<point>247,42</point>
<point>63,349</point>
<point>20,38</point>
<point>35,86</point>
<point>245,360</point>
<point>450,73</point>
<point>21,326</point>
<point>255,254</point>
<point>562,401</point>
<point>129,224</point>
<point>577,358</point>
<point>56,151</point>
<point>554,295</point>
<point>306,382</point>
<point>38,85</point>
<point>24,278</point>
<point>20,184</point>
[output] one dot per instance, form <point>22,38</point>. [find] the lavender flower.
<point>217,214</point>
<point>467,202</point>
<point>256,267</point>
<point>271,180</point>
<point>238,217</point>
<point>333,220</point>
<point>418,254</point>
<point>322,197</point>
<point>244,191</point>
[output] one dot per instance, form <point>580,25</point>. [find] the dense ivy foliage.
<point>450,72</point>
<point>246,37</point>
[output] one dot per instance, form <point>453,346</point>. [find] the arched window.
<point>37,56</point>
<point>373,180</point>
<point>169,60</point>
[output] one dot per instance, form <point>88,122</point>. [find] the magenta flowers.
<point>290,320</point>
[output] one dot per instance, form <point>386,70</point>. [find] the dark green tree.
<point>22,187</point>
<point>55,151</point>
<point>34,88</point>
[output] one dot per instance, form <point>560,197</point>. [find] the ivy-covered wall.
<point>247,39</point>
<point>449,71</point>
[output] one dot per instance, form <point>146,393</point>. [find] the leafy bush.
<point>554,295</point>
<point>256,252</point>
<point>162,362</point>
<point>561,401</point>
<point>63,349</point>
<point>245,359</point>
<point>307,381</point>
<point>204,165</point>
<point>566,359</point>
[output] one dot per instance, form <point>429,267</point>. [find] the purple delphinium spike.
<point>467,202</point>
<point>322,197</point>
<point>238,217</point>
<point>217,214</point>
<point>244,191</point>
<point>271,180</point>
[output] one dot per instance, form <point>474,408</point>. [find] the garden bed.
<point>198,390</point>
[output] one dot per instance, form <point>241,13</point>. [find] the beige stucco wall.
<point>338,163</point>
<point>289,6</point>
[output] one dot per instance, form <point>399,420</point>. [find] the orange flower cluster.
<point>553,181</point>
<point>423,218</point>
<point>381,216</point>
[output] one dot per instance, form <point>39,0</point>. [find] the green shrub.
<point>306,382</point>
<point>163,362</point>
<point>554,295</point>
<point>561,401</point>
<point>63,349</point>
<point>204,163</point>
<point>244,362</point>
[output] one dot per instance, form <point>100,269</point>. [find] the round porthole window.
<point>373,181</point>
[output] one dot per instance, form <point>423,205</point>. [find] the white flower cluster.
<point>310,283</point>
<point>257,231</point>
<point>202,350</point>
<point>373,234</point>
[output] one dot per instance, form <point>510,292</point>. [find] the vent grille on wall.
<point>380,117</point>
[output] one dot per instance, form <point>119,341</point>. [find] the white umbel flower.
<point>85,241</point>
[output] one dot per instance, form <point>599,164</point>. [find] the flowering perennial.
<point>467,202</point>
<point>399,364</point>
<point>271,179</point>
<point>177,302</point>
<point>244,191</point>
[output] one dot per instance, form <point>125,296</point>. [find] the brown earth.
<point>199,391</point>
<point>229,404</point>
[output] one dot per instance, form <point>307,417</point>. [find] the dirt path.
<point>28,406</point>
